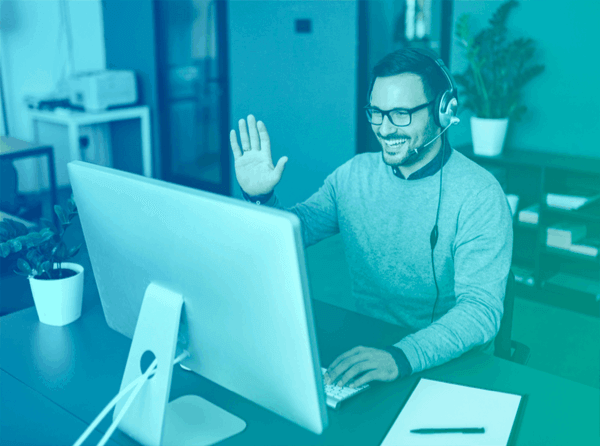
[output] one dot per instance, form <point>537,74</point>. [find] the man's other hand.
<point>360,366</point>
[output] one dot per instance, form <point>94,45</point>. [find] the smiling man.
<point>427,232</point>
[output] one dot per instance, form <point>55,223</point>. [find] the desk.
<point>79,369</point>
<point>75,119</point>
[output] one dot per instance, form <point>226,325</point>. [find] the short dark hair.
<point>415,62</point>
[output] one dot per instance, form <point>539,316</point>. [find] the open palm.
<point>254,168</point>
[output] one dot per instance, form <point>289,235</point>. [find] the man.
<point>445,285</point>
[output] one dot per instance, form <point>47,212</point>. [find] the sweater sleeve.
<point>482,253</point>
<point>318,214</point>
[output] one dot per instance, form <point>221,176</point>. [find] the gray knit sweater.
<point>385,223</point>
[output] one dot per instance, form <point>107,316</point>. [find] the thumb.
<point>280,166</point>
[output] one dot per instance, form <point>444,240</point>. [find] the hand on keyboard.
<point>335,395</point>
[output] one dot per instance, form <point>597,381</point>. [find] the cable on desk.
<point>137,385</point>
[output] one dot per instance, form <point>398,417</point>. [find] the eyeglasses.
<point>400,117</point>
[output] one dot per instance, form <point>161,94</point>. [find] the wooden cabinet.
<point>558,276</point>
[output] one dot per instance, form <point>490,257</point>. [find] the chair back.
<point>502,343</point>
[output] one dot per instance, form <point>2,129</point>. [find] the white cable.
<point>138,384</point>
<point>117,420</point>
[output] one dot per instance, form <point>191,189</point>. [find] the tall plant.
<point>498,68</point>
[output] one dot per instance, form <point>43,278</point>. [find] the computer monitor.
<point>240,269</point>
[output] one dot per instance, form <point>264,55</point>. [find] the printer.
<point>96,91</point>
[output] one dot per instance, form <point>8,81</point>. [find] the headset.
<point>444,115</point>
<point>446,102</point>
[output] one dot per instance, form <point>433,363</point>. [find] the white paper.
<point>435,404</point>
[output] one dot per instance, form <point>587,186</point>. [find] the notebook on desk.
<point>434,404</point>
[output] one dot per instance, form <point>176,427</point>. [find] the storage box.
<point>565,234</point>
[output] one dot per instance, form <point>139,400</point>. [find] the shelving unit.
<point>561,277</point>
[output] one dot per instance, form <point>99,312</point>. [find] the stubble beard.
<point>410,156</point>
<point>407,158</point>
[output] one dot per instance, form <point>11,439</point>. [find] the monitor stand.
<point>151,419</point>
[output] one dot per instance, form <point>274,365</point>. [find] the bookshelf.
<point>557,276</point>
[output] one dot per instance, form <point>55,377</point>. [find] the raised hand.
<point>254,168</point>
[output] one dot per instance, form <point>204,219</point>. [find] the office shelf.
<point>532,175</point>
<point>529,226</point>
<point>569,254</point>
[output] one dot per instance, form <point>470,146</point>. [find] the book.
<point>577,283</point>
<point>530,214</point>
<point>588,246</point>
<point>568,202</point>
<point>563,234</point>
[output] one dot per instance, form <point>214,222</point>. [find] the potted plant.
<point>497,71</point>
<point>40,253</point>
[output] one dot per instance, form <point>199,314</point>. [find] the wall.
<point>563,101</point>
<point>382,17</point>
<point>303,86</point>
<point>129,44</point>
<point>33,52</point>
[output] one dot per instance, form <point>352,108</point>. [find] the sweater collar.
<point>431,167</point>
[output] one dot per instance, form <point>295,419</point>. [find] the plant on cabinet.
<point>497,71</point>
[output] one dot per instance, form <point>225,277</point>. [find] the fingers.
<point>244,135</point>
<point>280,166</point>
<point>342,363</point>
<point>365,379</point>
<point>265,141</point>
<point>250,137</point>
<point>254,142</point>
<point>375,364</point>
<point>342,357</point>
<point>235,148</point>
<point>353,371</point>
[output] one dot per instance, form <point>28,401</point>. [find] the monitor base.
<point>151,419</point>
<point>198,422</point>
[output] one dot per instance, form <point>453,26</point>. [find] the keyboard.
<point>335,395</point>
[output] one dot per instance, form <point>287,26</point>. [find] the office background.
<point>307,88</point>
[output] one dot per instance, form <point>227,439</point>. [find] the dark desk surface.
<point>78,369</point>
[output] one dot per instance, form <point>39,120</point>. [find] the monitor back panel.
<point>239,267</point>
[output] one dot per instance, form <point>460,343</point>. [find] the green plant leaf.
<point>45,267</point>
<point>71,206</point>
<point>21,228</point>
<point>62,217</point>
<point>5,250</point>
<point>8,230</point>
<point>48,224</point>
<point>73,252</point>
<point>59,252</point>
<point>31,254</point>
<point>497,68</point>
<point>15,245</point>
<point>4,231</point>
<point>33,239</point>
<point>46,235</point>
<point>24,266</point>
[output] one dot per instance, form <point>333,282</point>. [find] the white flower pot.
<point>488,135</point>
<point>58,301</point>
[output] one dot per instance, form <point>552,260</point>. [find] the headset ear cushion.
<point>439,109</point>
<point>448,105</point>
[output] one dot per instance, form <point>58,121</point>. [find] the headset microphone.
<point>454,120</point>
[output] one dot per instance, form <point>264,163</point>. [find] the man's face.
<point>403,91</point>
